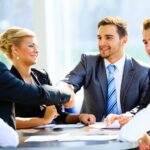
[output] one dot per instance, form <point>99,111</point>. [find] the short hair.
<point>146,24</point>
<point>13,36</point>
<point>116,21</point>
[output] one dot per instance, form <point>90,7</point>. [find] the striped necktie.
<point>111,104</point>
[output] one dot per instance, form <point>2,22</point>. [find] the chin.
<point>104,56</point>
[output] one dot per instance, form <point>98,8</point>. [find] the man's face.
<point>109,43</point>
<point>146,40</point>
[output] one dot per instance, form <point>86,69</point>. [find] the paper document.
<point>45,138</point>
<point>67,137</point>
<point>89,138</point>
<point>45,126</point>
<point>100,125</point>
<point>78,125</point>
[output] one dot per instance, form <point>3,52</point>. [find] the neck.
<point>117,57</point>
<point>25,72</point>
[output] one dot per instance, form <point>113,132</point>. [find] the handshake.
<point>63,93</point>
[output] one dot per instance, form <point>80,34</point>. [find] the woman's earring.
<point>17,58</point>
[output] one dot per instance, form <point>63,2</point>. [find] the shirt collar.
<point>119,64</point>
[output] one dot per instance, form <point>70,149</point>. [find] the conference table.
<point>71,137</point>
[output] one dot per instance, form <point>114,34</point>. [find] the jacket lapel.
<point>102,77</point>
<point>34,76</point>
<point>14,71</point>
<point>127,78</point>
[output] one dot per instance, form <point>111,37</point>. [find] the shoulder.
<point>41,72</point>
<point>41,75</point>
<point>138,64</point>
<point>91,57</point>
<point>3,67</point>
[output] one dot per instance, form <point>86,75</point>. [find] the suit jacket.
<point>91,74</point>
<point>145,101</point>
<point>13,90</point>
<point>40,77</point>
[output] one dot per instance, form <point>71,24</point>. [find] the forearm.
<point>71,118</point>
<point>23,123</point>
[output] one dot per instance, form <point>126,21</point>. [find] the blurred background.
<point>67,28</point>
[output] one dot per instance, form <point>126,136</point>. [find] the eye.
<point>31,46</point>
<point>109,37</point>
<point>99,38</point>
<point>144,42</point>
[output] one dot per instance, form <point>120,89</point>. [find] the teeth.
<point>104,49</point>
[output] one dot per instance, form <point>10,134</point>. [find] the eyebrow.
<point>106,35</point>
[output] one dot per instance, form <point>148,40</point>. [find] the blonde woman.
<point>20,46</point>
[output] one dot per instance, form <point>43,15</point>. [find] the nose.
<point>101,42</point>
<point>147,47</point>
<point>36,48</point>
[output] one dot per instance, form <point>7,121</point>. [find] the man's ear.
<point>124,40</point>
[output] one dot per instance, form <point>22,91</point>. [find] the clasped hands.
<point>122,119</point>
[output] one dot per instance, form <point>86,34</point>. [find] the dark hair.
<point>119,23</point>
<point>146,24</point>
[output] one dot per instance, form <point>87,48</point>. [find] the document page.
<point>100,125</point>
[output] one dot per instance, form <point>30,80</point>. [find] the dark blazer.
<point>91,74</point>
<point>145,102</point>
<point>40,77</point>
<point>13,90</point>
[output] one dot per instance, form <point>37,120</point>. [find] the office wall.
<point>67,28</point>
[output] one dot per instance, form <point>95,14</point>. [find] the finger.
<point>109,120</point>
<point>123,121</point>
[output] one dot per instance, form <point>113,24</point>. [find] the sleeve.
<point>61,119</point>
<point>12,89</point>
<point>145,97</point>
<point>77,76</point>
<point>136,128</point>
<point>8,136</point>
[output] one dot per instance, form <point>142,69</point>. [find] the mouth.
<point>104,48</point>
<point>35,56</point>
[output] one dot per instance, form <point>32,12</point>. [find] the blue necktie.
<point>111,106</point>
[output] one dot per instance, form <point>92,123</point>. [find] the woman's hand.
<point>50,114</point>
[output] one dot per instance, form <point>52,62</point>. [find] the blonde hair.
<point>13,36</point>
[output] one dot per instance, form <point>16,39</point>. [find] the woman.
<point>20,46</point>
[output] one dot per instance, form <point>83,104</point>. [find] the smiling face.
<point>27,51</point>
<point>146,40</point>
<point>109,43</point>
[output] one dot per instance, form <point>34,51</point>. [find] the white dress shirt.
<point>8,136</point>
<point>136,127</point>
<point>118,78</point>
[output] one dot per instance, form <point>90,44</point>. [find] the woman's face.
<point>27,51</point>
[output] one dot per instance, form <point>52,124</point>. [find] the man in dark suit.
<point>14,90</point>
<point>131,77</point>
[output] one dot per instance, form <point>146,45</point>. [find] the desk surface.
<point>77,144</point>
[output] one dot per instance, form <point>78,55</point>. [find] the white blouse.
<point>8,136</point>
<point>136,127</point>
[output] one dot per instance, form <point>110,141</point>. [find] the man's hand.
<point>87,119</point>
<point>144,142</point>
<point>70,89</point>
<point>123,119</point>
<point>111,118</point>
